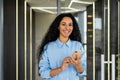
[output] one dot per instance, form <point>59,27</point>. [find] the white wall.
<point>42,23</point>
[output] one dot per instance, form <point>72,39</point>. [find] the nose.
<point>67,27</point>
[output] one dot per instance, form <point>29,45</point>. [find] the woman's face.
<point>66,27</point>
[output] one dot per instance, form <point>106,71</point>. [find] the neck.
<point>63,40</point>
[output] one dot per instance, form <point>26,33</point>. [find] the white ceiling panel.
<point>50,6</point>
<point>42,3</point>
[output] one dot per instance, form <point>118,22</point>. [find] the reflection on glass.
<point>98,46</point>
<point>98,39</point>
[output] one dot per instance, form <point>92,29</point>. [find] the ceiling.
<point>50,6</point>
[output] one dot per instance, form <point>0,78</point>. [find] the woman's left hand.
<point>76,62</point>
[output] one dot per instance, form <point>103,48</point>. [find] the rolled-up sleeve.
<point>44,65</point>
<point>83,62</point>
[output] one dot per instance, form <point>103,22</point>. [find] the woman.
<point>62,39</point>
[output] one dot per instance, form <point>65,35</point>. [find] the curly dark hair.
<point>53,32</point>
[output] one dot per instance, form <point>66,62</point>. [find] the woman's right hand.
<point>65,63</point>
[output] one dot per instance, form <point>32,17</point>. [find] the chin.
<point>66,36</point>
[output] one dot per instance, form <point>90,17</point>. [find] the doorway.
<point>100,35</point>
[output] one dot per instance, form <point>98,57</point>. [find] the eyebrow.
<point>65,22</point>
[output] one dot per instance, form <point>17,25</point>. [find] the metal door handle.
<point>103,62</point>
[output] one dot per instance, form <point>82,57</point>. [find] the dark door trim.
<point>1,39</point>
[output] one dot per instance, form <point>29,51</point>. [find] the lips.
<point>66,32</point>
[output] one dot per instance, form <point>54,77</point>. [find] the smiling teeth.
<point>66,31</point>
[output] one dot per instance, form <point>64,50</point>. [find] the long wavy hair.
<point>53,32</point>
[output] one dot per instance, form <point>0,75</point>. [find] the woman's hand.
<point>65,63</point>
<point>75,61</point>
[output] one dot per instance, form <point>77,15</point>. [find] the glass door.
<point>106,39</point>
<point>102,40</point>
<point>118,56</point>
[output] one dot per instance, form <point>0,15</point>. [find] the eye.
<point>70,24</point>
<point>63,24</point>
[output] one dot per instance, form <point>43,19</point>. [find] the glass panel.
<point>102,35</point>
<point>98,39</point>
<point>105,28</point>
<point>118,57</point>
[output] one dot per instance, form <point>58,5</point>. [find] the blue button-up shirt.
<point>53,55</point>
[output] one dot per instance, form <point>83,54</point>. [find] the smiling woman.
<point>61,40</point>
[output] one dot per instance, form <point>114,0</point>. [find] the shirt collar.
<point>60,44</point>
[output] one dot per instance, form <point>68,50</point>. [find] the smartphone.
<point>76,53</point>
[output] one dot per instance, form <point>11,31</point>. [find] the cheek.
<point>60,28</point>
<point>72,29</point>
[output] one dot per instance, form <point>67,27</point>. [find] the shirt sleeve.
<point>83,62</point>
<point>44,65</point>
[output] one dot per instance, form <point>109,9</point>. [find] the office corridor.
<point>23,23</point>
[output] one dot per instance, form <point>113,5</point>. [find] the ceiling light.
<point>42,9</point>
<point>82,2</point>
<point>70,4</point>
